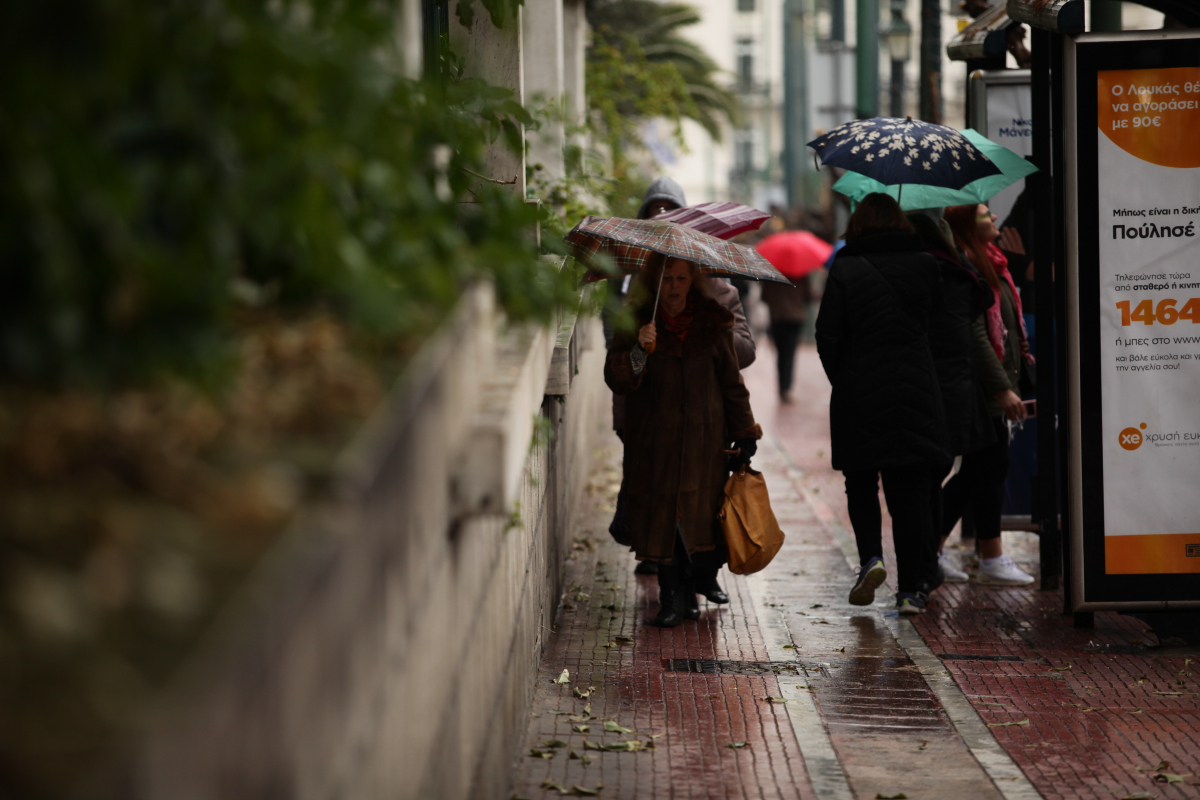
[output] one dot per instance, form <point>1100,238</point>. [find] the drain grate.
<point>707,666</point>
<point>963,657</point>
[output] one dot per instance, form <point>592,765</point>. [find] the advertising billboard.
<point>1133,283</point>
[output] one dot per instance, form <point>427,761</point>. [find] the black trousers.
<point>786,336</point>
<point>980,482</point>
<point>910,493</point>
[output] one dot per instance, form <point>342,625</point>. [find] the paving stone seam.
<point>992,757</point>
<point>824,769</point>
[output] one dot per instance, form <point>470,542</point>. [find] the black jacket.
<point>886,409</point>
<point>965,297</point>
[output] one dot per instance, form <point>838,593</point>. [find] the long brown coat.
<point>682,410</point>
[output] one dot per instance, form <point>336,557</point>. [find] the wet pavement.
<point>790,692</point>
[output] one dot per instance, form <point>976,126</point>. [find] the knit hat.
<point>662,189</point>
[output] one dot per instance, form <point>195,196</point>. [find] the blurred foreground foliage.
<point>163,165</point>
<point>223,225</point>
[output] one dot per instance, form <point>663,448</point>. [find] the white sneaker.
<point>953,574</point>
<point>1002,571</point>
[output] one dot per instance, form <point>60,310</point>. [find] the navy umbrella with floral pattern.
<point>897,152</point>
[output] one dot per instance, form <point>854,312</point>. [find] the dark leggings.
<point>979,482</point>
<point>910,493</point>
<point>786,336</point>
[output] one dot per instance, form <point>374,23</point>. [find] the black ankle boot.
<point>646,568</point>
<point>670,597</point>
<point>706,584</point>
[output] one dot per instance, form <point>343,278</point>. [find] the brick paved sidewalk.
<point>674,733</point>
<point>991,694</point>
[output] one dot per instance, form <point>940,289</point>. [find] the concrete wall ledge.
<point>387,646</point>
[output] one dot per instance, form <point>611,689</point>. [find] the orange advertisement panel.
<point>1152,114</point>
<point>1148,270</point>
<point>1152,554</point>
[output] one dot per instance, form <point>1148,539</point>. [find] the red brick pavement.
<point>1104,706</point>
<point>685,721</point>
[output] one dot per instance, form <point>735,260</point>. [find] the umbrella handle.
<point>657,295</point>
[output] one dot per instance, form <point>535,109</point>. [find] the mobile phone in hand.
<point>1030,408</point>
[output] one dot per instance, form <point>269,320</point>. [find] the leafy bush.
<point>162,163</point>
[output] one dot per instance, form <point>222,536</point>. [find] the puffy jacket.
<point>886,408</point>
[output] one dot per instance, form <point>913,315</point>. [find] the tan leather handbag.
<point>751,532</point>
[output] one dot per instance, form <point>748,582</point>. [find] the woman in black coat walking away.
<point>886,415</point>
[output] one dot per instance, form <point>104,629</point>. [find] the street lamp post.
<point>898,35</point>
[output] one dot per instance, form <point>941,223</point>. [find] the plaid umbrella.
<point>722,220</point>
<point>631,243</point>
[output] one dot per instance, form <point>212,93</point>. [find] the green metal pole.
<point>1106,15</point>
<point>866,59</point>
<point>795,98</point>
<point>931,62</point>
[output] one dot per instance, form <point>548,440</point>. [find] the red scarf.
<point>995,321</point>
<point>677,325</point>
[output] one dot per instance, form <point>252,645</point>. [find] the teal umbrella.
<point>913,195</point>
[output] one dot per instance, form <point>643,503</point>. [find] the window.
<point>745,65</point>
<point>745,5</point>
<point>743,152</point>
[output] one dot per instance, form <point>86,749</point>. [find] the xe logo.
<point>1132,438</point>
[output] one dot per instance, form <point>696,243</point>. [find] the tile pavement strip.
<point>891,727</point>
<point>995,762</point>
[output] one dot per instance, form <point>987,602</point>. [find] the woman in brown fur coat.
<point>685,402</point>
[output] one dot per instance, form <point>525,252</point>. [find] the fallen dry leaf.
<point>565,677</point>
<point>613,727</point>
<point>1006,724</point>
<point>736,745</point>
<point>625,746</point>
<point>1169,777</point>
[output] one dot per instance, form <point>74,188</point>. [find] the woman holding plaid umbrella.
<point>685,402</point>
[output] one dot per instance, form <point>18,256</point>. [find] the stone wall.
<point>388,647</point>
